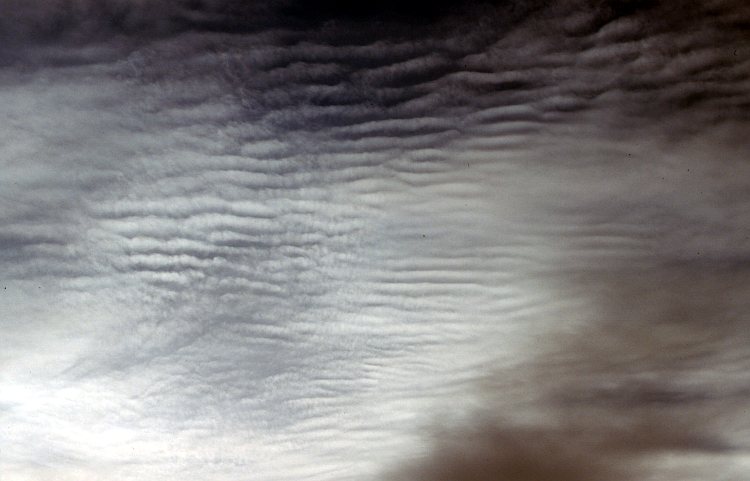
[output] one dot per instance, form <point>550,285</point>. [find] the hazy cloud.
<point>653,373</point>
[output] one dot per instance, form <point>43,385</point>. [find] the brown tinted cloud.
<point>654,372</point>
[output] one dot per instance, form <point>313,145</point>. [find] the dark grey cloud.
<point>277,237</point>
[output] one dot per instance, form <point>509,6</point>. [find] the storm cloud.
<point>278,239</point>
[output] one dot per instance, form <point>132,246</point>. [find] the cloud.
<point>236,235</point>
<point>652,372</point>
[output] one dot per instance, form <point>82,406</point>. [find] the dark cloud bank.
<point>276,237</point>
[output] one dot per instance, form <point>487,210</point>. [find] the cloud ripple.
<point>254,240</point>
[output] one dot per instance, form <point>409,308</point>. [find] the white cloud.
<point>282,250</point>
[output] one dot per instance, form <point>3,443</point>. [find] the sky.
<point>374,241</point>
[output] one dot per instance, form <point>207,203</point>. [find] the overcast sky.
<point>392,241</point>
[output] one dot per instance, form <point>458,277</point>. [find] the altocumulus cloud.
<point>278,239</point>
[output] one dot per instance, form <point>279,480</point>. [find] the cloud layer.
<point>278,238</point>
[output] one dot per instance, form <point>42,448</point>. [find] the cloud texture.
<point>273,239</point>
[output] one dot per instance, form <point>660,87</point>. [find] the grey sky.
<point>279,241</point>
